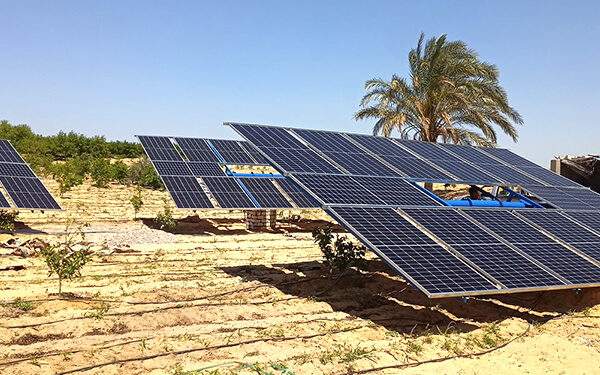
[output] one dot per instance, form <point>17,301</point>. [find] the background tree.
<point>451,96</point>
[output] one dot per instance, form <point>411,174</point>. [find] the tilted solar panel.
<point>265,193</point>
<point>549,177</point>
<point>284,150</point>
<point>8,153</point>
<point>186,192</point>
<point>426,264</point>
<point>567,198</point>
<point>196,149</point>
<point>537,245</point>
<point>232,152</point>
<point>228,192</point>
<point>172,168</point>
<point>298,197</point>
<point>16,170</point>
<point>3,202</point>
<point>253,151</point>
<point>589,219</point>
<point>29,193</point>
<point>374,191</point>
<point>500,261</point>
<point>159,148</point>
<point>204,169</point>
<point>572,233</point>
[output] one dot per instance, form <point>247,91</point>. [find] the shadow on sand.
<point>384,298</point>
<point>195,225</point>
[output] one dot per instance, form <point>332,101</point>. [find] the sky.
<point>182,68</point>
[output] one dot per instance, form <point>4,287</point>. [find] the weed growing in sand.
<point>414,347</point>
<point>23,305</point>
<point>491,336</point>
<point>345,354</point>
<point>35,361</point>
<point>143,345</point>
<point>66,356</point>
<point>339,252</point>
<point>63,258</point>
<point>392,333</point>
<point>176,368</point>
<point>99,312</point>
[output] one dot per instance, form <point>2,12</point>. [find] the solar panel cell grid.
<point>360,164</point>
<point>201,169</point>
<point>181,183</point>
<point>427,150</point>
<point>300,161</point>
<point>3,202</point>
<point>466,172</point>
<point>396,191</point>
<point>560,226</point>
<point>265,192</point>
<point>297,196</point>
<point>508,157</point>
<point>494,257</point>
<point>548,176</point>
<point>589,219</point>
<point>15,169</point>
<point>228,193</point>
<point>191,199</point>
<point>566,198</point>
<point>534,243</point>
<point>196,149</point>
<point>435,269</point>
<point>172,168</point>
<point>253,151</point>
<point>27,192</point>
<point>231,151</point>
<point>381,146</point>
<point>469,153</point>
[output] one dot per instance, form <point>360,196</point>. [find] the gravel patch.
<point>141,236</point>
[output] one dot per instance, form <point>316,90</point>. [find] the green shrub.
<point>136,201</point>
<point>339,252</point>
<point>164,218</point>
<point>23,305</point>
<point>100,172</point>
<point>7,220</point>
<point>119,172</point>
<point>62,259</point>
<point>143,173</point>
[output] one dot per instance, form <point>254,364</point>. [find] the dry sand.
<point>221,294</point>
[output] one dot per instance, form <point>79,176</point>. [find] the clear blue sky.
<point>119,68</point>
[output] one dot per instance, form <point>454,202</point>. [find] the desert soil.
<point>214,296</point>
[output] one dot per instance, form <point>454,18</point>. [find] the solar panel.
<point>469,153</point>
<point>172,168</point>
<point>589,219</point>
<point>232,152</point>
<point>548,176</point>
<point>253,151</point>
<point>196,149</point>
<point>159,148</point>
<point>8,153</point>
<point>16,169</point>
<point>228,192</point>
<point>508,174</point>
<point>560,226</point>
<point>265,193</point>
<point>508,157</point>
<point>567,198</point>
<point>202,169</point>
<point>374,191</point>
<point>540,247</point>
<point>462,170</point>
<point>297,196</point>
<point>3,202</point>
<point>29,193</point>
<point>399,158</point>
<point>284,150</point>
<point>426,264</point>
<point>506,265</point>
<point>186,192</point>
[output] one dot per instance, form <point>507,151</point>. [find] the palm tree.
<point>451,97</point>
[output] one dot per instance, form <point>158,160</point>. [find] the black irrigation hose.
<point>216,347</point>
<point>442,359</point>
<point>108,346</point>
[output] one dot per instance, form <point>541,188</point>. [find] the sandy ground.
<point>232,301</point>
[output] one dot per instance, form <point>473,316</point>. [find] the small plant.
<point>164,218</point>
<point>23,305</point>
<point>62,259</point>
<point>100,311</point>
<point>414,347</point>
<point>340,253</point>
<point>136,201</point>
<point>176,368</point>
<point>7,220</point>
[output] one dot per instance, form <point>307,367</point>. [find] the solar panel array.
<point>194,172</point>
<point>367,184</point>
<point>22,186</point>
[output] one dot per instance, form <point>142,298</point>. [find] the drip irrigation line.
<point>216,347</point>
